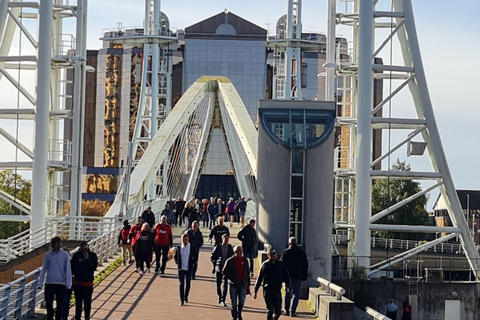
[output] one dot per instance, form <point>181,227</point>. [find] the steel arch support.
<point>423,107</point>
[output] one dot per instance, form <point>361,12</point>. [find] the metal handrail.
<point>64,227</point>
<point>401,244</point>
<point>20,297</point>
<point>332,288</point>
<point>375,315</point>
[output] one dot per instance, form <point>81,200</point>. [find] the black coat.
<point>191,260</point>
<point>83,270</point>
<point>216,257</point>
<point>248,237</point>
<point>272,275</point>
<point>230,273</point>
<point>196,240</point>
<point>296,262</point>
<point>149,217</point>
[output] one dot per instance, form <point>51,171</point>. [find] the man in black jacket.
<point>248,236</point>
<point>237,273</point>
<point>184,257</point>
<point>219,255</point>
<point>195,237</point>
<point>179,207</point>
<point>272,274</point>
<point>297,265</point>
<point>84,264</point>
<point>218,231</point>
<point>149,217</point>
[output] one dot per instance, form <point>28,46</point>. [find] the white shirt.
<point>184,256</point>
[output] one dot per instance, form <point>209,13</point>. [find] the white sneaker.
<point>141,273</point>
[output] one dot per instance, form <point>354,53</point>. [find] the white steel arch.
<point>233,112</point>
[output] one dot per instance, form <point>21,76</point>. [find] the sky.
<point>449,42</point>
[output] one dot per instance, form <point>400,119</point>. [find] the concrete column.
<point>273,181</point>
<point>318,209</point>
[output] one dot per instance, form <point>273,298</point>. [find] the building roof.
<point>473,199</point>
<point>220,26</point>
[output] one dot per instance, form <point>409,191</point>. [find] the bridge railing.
<point>401,244</point>
<point>20,297</point>
<point>375,315</point>
<point>332,288</point>
<point>74,228</point>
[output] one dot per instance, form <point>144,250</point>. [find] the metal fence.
<point>78,228</point>
<point>20,297</point>
<point>400,244</point>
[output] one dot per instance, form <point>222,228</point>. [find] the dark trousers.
<point>205,220</point>
<point>57,292</point>
<point>178,219</point>
<point>195,265</point>
<point>237,295</point>
<point>83,297</point>
<point>292,296</point>
<point>273,300</point>
<point>140,258</point>
<point>66,304</point>
<point>249,253</point>
<point>184,277</point>
<point>222,294</point>
<point>163,252</point>
<point>211,222</point>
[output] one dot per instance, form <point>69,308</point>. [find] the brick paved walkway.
<point>126,295</point>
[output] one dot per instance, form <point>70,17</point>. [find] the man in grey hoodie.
<point>56,265</point>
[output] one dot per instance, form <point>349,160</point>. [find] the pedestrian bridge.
<point>173,162</point>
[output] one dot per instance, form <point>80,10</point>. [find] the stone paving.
<point>125,294</point>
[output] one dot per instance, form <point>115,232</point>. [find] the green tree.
<point>387,192</point>
<point>19,188</point>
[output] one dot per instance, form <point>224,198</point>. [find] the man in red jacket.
<point>163,242</point>
<point>135,229</point>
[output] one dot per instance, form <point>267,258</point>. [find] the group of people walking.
<point>231,265</point>
<point>60,275</point>
<point>204,211</point>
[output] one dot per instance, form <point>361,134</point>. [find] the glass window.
<point>296,210</point>
<point>296,231</point>
<point>297,187</point>
<point>297,128</point>
<point>297,161</point>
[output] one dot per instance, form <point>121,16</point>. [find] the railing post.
<point>19,300</point>
<point>33,295</point>
<point>5,302</point>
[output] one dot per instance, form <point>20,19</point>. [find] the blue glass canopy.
<point>297,128</point>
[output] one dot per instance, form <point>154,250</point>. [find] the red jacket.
<point>136,229</point>
<point>163,235</point>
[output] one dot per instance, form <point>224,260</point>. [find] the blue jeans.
<point>219,280</point>
<point>249,253</point>
<point>237,295</point>
<point>184,286</point>
<point>292,297</point>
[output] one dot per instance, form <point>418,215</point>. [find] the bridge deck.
<point>126,295</point>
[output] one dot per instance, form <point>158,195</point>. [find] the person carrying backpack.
<point>124,242</point>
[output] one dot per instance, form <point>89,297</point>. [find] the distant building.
<point>470,201</point>
<point>222,45</point>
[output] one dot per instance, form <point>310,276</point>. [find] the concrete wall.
<point>318,210</point>
<point>273,172</point>
<point>428,304</point>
